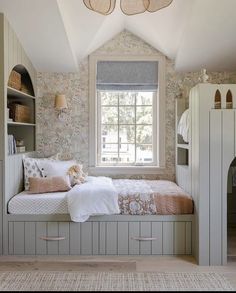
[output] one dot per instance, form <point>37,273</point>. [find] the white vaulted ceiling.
<point>57,34</point>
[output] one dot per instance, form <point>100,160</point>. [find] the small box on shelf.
<point>20,149</point>
<point>20,146</point>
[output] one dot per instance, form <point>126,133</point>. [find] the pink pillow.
<point>51,184</point>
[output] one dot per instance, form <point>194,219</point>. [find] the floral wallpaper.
<point>71,136</point>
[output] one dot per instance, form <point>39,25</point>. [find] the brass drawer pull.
<point>48,238</point>
<point>143,238</point>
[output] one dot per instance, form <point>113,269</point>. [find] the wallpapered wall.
<point>71,136</point>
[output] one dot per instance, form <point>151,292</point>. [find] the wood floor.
<point>120,264</point>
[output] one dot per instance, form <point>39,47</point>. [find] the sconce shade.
<point>60,102</point>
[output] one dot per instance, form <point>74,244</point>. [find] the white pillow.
<point>51,168</point>
<point>31,169</point>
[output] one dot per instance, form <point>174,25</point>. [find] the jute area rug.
<point>112,281</point>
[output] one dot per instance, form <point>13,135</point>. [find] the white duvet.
<point>97,196</point>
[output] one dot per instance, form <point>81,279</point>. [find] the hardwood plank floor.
<point>116,263</point>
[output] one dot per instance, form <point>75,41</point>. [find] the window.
<point>127,113</point>
<point>127,128</point>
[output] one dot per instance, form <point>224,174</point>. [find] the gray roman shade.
<point>127,75</point>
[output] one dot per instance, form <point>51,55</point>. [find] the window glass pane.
<point>127,153</point>
<point>144,115</point>
<point>127,98</point>
<point>144,154</point>
<point>109,98</point>
<point>127,115</point>
<point>132,129</point>
<point>144,98</point>
<point>109,115</point>
<point>109,134</point>
<point>144,134</point>
<point>109,153</point>
<point>127,134</point>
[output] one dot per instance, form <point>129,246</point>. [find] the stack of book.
<point>11,145</point>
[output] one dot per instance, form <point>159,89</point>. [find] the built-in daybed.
<point>56,234</point>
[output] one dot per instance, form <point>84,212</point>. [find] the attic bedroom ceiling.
<point>57,34</point>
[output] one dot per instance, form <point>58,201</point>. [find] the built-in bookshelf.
<point>182,148</point>
<point>22,131</point>
<point>183,151</point>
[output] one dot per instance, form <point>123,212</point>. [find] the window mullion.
<point>135,121</point>
<point>118,128</point>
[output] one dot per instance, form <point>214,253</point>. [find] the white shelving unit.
<point>182,151</point>
<point>183,146</point>
<point>19,94</point>
<point>21,124</point>
<point>23,130</point>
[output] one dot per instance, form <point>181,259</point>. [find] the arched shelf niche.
<point>231,210</point>
<point>26,81</point>
<point>21,121</point>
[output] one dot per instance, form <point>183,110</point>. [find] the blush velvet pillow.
<point>46,185</point>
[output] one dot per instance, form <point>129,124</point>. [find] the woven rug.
<point>110,281</point>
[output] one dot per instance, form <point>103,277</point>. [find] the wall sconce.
<point>60,106</point>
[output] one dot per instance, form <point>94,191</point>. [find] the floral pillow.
<point>31,169</point>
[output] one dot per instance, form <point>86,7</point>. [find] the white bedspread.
<point>97,196</point>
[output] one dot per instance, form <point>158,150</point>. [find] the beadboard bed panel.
<point>100,238</point>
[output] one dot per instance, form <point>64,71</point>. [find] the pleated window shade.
<point>127,75</point>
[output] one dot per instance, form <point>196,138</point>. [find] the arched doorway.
<point>231,211</point>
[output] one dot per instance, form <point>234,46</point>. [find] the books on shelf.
<point>11,145</point>
<point>15,147</point>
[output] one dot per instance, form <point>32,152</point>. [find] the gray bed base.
<point>100,235</point>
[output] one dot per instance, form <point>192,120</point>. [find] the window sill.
<point>129,170</point>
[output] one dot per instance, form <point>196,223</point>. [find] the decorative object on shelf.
<point>15,80</point>
<point>8,116</point>
<point>20,147</point>
<point>218,100</point>
<point>20,142</point>
<point>229,100</point>
<point>204,77</point>
<point>19,113</point>
<point>60,105</point>
<point>128,7</point>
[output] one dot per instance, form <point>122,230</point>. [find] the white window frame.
<point>96,169</point>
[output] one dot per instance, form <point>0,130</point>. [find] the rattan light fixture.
<point>128,7</point>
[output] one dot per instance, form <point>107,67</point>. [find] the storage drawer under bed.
<point>100,238</point>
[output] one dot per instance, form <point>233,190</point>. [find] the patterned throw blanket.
<point>152,197</point>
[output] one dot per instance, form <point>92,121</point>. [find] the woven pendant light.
<point>104,7</point>
<point>131,7</point>
<point>128,7</point>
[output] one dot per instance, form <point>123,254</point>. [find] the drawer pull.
<point>52,238</point>
<point>143,238</point>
